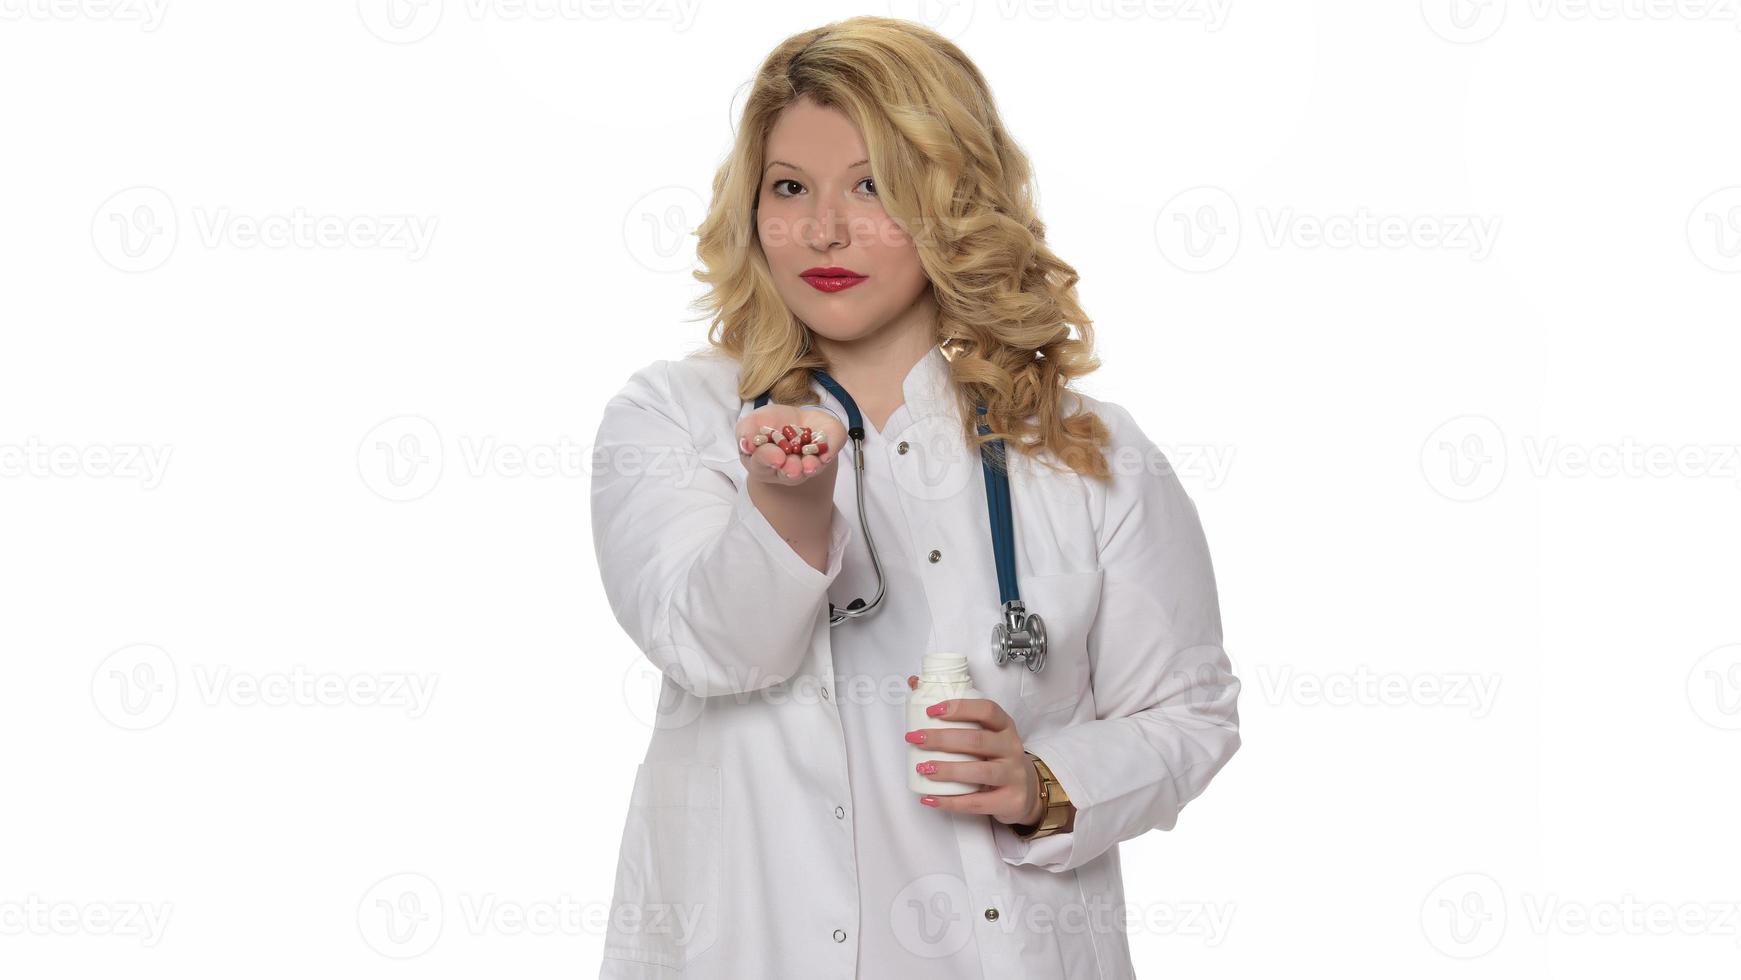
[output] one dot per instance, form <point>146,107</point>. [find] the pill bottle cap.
<point>944,668</point>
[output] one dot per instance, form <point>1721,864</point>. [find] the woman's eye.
<point>776,185</point>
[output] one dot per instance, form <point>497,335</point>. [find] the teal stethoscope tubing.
<point>1003,535</point>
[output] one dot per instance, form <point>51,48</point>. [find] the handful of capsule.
<point>793,440</point>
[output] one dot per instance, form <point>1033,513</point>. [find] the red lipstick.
<point>831,278</point>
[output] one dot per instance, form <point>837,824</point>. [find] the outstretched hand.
<point>769,462</point>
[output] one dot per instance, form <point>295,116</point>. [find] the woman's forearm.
<point>800,514</point>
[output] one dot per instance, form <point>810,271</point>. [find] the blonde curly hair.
<point>948,172</point>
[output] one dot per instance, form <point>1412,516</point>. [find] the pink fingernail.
<point>928,800</point>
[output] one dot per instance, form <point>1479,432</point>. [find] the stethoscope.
<point>1021,636</point>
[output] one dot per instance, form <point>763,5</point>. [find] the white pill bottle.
<point>943,676</point>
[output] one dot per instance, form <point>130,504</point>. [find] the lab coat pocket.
<point>1067,603</point>
<point>665,909</point>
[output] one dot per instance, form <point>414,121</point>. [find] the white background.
<point>1472,499</point>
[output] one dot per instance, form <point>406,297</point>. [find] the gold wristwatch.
<point>1056,801</point>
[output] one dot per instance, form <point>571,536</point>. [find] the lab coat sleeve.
<point>1166,716</point>
<point>689,564</point>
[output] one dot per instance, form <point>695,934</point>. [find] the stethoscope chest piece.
<point>1020,637</point>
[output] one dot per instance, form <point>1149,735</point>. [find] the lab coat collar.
<point>927,384</point>
<point>927,389</point>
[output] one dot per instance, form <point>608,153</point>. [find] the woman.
<point>874,221</point>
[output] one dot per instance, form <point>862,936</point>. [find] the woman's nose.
<point>830,228</point>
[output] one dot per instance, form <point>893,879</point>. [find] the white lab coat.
<point>737,859</point>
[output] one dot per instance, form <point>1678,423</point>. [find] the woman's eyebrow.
<point>782,163</point>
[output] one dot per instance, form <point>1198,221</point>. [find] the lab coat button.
<point>840,935</point>
<point>840,813</point>
<point>825,694</point>
<point>991,915</point>
<point>936,556</point>
<point>902,449</point>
